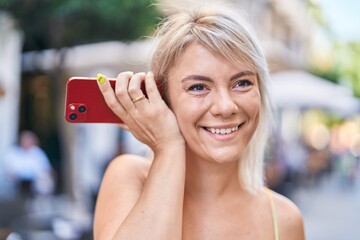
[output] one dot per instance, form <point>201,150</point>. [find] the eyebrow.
<point>207,79</point>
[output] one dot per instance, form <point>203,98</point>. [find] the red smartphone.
<point>84,103</point>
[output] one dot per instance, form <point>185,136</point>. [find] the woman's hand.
<point>137,194</point>
<point>149,119</point>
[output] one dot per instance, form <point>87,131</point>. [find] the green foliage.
<point>342,64</point>
<point>316,13</point>
<point>351,67</point>
<point>333,74</point>
<point>60,23</point>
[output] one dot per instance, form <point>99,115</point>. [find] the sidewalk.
<point>330,210</point>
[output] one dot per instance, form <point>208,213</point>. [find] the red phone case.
<point>85,103</point>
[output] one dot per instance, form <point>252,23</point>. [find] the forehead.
<point>197,57</point>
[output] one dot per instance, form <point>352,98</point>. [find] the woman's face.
<point>217,103</point>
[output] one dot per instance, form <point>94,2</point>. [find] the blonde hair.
<point>225,33</point>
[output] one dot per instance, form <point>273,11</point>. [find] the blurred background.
<point>50,170</point>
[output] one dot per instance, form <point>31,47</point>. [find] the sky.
<point>343,17</point>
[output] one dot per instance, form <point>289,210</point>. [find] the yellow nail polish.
<point>100,78</point>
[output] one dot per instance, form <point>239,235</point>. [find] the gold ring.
<point>138,98</point>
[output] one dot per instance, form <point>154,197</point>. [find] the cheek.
<point>171,94</point>
<point>257,113</point>
<point>188,114</point>
<point>185,112</point>
<point>253,107</point>
<point>178,106</point>
<point>186,122</point>
<point>257,110</point>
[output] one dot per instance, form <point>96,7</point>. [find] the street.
<point>331,210</point>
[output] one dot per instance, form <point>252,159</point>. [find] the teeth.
<point>222,130</point>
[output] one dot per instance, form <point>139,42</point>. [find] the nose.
<point>223,104</point>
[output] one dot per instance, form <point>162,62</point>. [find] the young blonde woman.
<point>207,129</point>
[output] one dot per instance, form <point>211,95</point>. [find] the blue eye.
<point>196,87</point>
<point>243,83</point>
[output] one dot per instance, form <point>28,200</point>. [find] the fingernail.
<point>100,78</point>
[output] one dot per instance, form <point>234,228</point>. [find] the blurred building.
<point>283,27</point>
<point>10,71</point>
<point>286,31</point>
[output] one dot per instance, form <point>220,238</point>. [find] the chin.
<point>219,153</point>
<point>225,158</point>
<point>221,156</point>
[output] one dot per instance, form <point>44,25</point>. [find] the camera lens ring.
<point>82,108</point>
<point>73,116</point>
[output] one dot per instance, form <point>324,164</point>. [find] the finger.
<point>121,90</point>
<point>109,95</point>
<point>135,92</point>
<point>151,88</point>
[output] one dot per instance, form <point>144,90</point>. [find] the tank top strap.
<point>273,213</point>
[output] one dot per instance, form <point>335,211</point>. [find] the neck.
<point>208,179</point>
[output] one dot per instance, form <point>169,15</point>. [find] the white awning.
<point>299,89</point>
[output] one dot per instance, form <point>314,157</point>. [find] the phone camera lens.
<point>73,116</point>
<point>82,109</point>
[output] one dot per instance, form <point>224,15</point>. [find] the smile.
<point>222,131</point>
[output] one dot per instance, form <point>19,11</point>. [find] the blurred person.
<point>28,167</point>
<point>275,170</point>
<point>347,169</point>
<point>318,163</point>
<point>207,131</point>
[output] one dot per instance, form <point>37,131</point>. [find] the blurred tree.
<point>341,62</point>
<point>60,23</point>
<point>316,13</point>
<point>341,65</point>
<point>350,63</point>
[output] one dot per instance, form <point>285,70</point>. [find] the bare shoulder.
<point>128,166</point>
<point>120,189</point>
<point>125,173</point>
<point>291,224</point>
